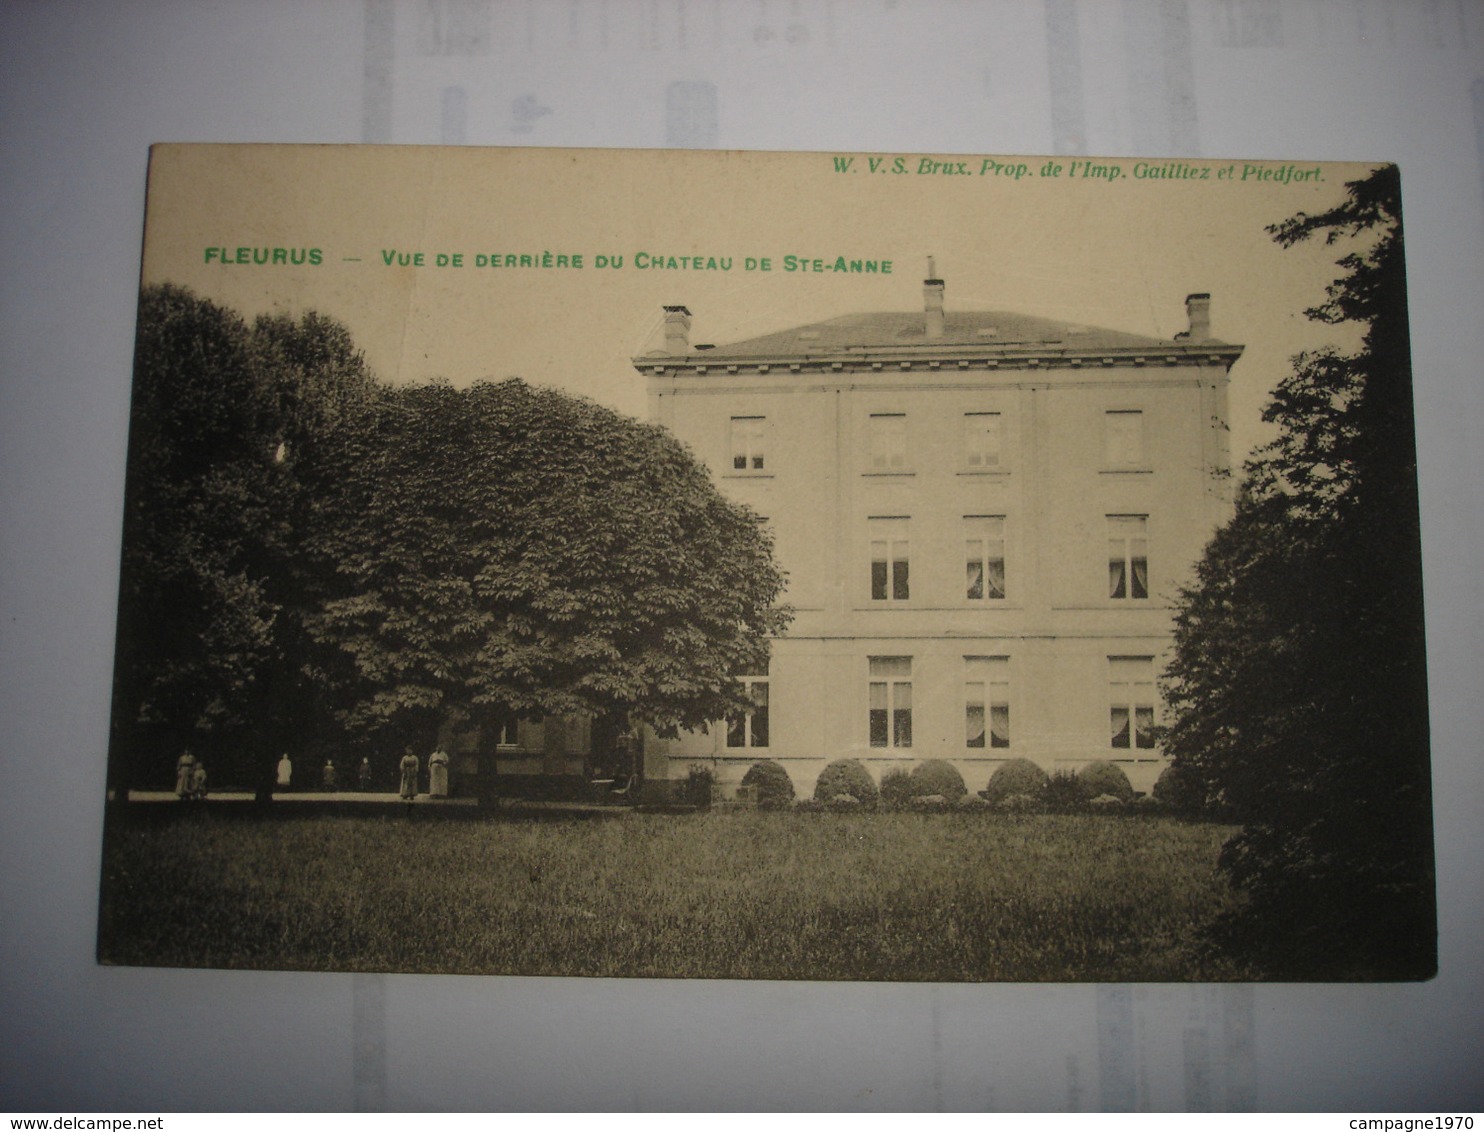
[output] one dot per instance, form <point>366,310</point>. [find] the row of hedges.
<point>1018,784</point>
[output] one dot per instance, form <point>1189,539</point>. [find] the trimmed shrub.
<point>937,777</point>
<point>1020,804</point>
<point>1178,788</point>
<point>1017,777</point>
<point>896,788</point>
<point>696,790</point>
<point>846,776</point>
<point>1099,778</point>
<point>1105,802</point>
<point>930,803</point>
<point>1064,792</point>
<point>775,789</point>
<point>972,802</point>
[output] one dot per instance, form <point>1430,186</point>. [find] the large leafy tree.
<point>313,558</point>
<point>318,381</point>
<point>195,620</point>
<point>1297,687</point>
<point>224,416</point>
<point>509,551</point>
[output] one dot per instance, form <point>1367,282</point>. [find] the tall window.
<point>891,701</point>
<point>749,441</point>
<point>983,437</point>
<point>889,580</point>
<point>1123,438</point>
<point>507,731</point>
<point>1131,702</point>
<point>1128,556</point>
<point>987,702</point>
<point>888,440</point>
<point>750,729</point>
<point>984,557</point>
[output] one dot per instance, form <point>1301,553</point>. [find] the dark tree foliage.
<point>193,622</point>
<point>513,551</point>
<point>319,381</point>
<point>314,561</point>
<point>208,592</point>
<point>1298,690</point>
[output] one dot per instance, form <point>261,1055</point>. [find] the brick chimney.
<point>1198,309</point>
<point>932,302</point>
<point>677,330</point>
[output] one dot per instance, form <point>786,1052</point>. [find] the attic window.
<point>988,331</point>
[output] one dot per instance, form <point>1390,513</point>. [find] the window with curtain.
<point>986,702</point>
<point>890,579</point>
<point>1131,702</point>
<point>984,556</point>
<point>890,701</point>
<point>1128,556</point>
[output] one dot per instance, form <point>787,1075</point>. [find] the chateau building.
<point>984,517</point>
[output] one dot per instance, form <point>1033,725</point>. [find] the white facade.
<point>984,518</point>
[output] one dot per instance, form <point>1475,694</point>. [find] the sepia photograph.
<point>762,565</point>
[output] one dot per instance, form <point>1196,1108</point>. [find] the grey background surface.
<point>85,88</point>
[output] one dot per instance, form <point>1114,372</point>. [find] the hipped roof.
<point>894,330</point>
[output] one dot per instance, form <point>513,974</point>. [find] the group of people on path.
<point>410,768</point>
<point>437,774</point>
<point>190,777</point>
<point>329,775</point>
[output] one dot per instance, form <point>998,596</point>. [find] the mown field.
<point>933,897</point>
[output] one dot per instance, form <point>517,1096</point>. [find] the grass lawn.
<point>931,897</point>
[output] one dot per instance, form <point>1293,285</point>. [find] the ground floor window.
<point>1131,702</point>
<point>890,717</point>
<point>987,702</point>
<point>751,728</point>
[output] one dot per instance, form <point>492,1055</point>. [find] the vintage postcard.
<point>860,566</point>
